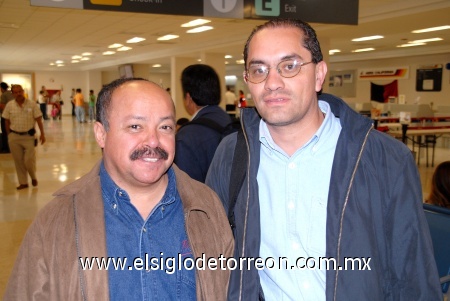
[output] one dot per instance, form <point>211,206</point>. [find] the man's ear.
<point>100,134</point>
<point>321,73</point>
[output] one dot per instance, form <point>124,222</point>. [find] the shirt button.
<point>292,165</point>
<point>144,229</point>
<point>114,206</point>
<point>120,193</point>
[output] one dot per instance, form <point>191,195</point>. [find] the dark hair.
<point>182,121</point>
<point>440,186</point>
<point>104,99</point>
<point>310,41</point>
<point>202,83</point>
<point>4,85</point>
<point>78,90</point>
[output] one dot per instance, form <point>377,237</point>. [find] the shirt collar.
<point>114,194</point>
<point>266,139</point>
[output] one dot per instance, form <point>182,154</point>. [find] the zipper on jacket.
<point>246,207</point>
<point>345,206</point>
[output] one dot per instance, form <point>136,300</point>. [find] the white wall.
<point>406,87</point>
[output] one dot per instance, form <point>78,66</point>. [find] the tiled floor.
<point>70,152</point>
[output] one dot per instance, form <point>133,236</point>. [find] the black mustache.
<point>149,151</point>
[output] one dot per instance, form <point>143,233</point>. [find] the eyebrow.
<point>137,117</point>
<point>284,58</point>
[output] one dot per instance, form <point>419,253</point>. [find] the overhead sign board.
<point>317,11</point>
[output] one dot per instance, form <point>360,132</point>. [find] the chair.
<point>438,219</point>
<point>430,141</point>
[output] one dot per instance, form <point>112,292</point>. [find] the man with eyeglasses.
<point>329,209</point>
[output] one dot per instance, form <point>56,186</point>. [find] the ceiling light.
<point>86,54</point>
<point>167,37</point>
<point>76,57</point>
<point>196,22</point>
<point>108,53</point>
<point>85,59</point>
<point>75,61</point>
<point>124,48</point>
<point>156,65</point>
<point>333,51</point>
<point>52,64</point>
<point>240,62</point>
<point>115,45</point>
<point>228,56</point>
<point>426,40</point>
<point>60,65</point>
<point>411,45</point>
<point>59,62</point>
<point>226,63</point>
<point>367,38</point>
<point>363,50</point>
<point>200,29</point>
<point>135,40</point>
<point>431,29</point>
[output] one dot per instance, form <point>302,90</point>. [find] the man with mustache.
<point>134,204</point>
<point>320,184</point>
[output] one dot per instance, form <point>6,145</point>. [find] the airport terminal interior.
<point>71,150</point>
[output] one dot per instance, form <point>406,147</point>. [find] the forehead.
<point>144,96</point>
<point>279,41</point>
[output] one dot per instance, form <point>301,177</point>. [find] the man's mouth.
<point>149,154</point>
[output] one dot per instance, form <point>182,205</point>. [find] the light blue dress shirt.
<point>293,195</point>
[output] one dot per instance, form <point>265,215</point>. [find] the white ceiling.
<point>32,37</point>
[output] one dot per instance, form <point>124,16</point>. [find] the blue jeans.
<point>91,113</point>
<point>79,112</point>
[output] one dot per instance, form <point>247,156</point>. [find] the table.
<point>415,134</point>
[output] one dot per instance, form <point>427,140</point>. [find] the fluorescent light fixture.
<point>226,63</point>
<point>367,38</point>
<point>196,22</point>
<point>199,29</point>
<point>115,45</point>
<point>124,48</point>
<point>75,61</point>
<point>240,62</point>
<point>108,53</point>
<point>86,54</point>
<point>52,64</point>
<point>411,45</point>
<point>59,62</point>
<point>425,40</point>
<point>333,51</point>
<point>76,57</point>
<point>167,37</point>
<point>431,29</point>
<point>85,59</point>
<point>363,50</point>
<point>156,65</point>
<point>60,65</point>
<point>228,56</point>
<point>135,40</point>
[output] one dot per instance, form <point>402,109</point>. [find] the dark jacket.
<point>72,225</point>
<point>196,144</point>
<point>374,210</point>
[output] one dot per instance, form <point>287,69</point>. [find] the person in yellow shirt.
<point>78,101</point>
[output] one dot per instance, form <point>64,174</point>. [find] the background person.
<point>440,186</point>
<point>91,106</point>
<point>21,115</point>
<point>4,99</point>
<point>320,182</point>
<point>42,101</point>
<point>195,143</point>
<point>134,203</point>
<point>78,101</point>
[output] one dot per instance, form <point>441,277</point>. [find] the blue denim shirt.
<point>159,243</point>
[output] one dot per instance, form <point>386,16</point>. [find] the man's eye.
<point>134,126</point>
<point>167,127</point>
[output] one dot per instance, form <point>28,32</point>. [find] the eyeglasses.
<point>258,73</point>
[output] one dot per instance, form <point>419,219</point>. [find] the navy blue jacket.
<point>374,210</point>
<point>196,144</point>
